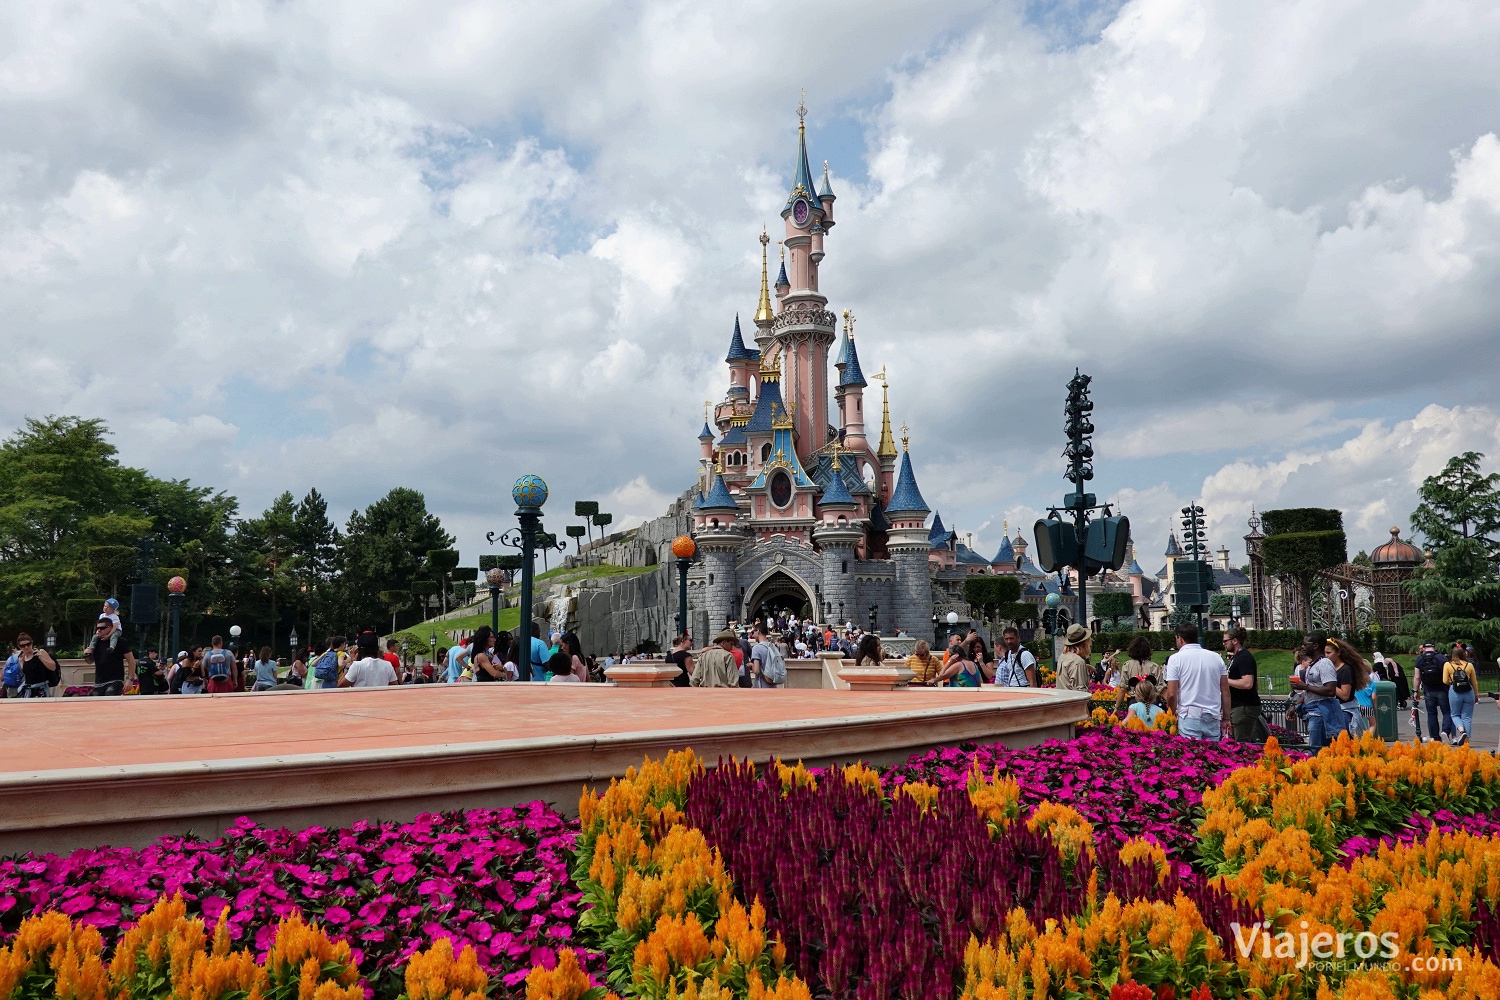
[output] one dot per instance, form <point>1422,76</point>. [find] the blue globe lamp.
<point>1054,601</point>
<point>530,492</point>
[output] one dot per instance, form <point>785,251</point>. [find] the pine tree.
<point>1459,518</point>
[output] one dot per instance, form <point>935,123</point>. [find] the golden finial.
<point>905,437</point>
<point>719,466</point>
<point>836,449</point>
<point>802,110</point>
<point>887,446</point>
<point>770,365</point>
<point>782,244</point>
<point>763,313</point>
<point>708,406</point>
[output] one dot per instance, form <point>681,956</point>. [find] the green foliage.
<point>585,508</point>
<point>989,593</point>
<point>383,549</point>
<point>1303,553</point>
<point>71,516</point>
<point>1114,606</point>
<point>1299,520</point>
<point>1362,558</point>
<point>1459,517</point>
<point>1302,541</point>
<point>1017,612</point>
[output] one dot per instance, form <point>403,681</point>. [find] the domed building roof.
<point>1396,552</point>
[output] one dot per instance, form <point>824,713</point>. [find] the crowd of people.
<point>1212,696</point>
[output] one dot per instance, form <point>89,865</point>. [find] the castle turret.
<point>706,440</point>
<point>742,363</point>
<point>838,537</point>
<point>909,547</point>
<point>850,392</point>
<point>804,328</point>
<point>719,537</point>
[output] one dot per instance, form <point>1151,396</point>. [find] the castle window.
<point>765,452</point>
<point>846,566</point>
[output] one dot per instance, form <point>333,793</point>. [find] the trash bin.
<point>1385,711</point>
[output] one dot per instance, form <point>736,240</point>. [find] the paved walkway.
<point>93,732</point>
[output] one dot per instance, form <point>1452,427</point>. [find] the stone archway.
<point>778,589</point>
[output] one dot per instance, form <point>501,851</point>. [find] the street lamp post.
<point>684,548</point>
<point>292,641</point>
<point>529,493</point>
<point>51,639</point>
<point>495,578</point>
<point>953,623</point>
<point>176,588</point>
<point>234,638</point>
<point>432,650</point>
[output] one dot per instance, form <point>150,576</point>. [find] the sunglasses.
<point>100,628</point>
<point>24,645</point>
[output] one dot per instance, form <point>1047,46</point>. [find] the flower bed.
<point>1419,825</point>
<point>493,879</point>
<point>1126,782</point>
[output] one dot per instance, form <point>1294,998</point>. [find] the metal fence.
<point>1278,712</point>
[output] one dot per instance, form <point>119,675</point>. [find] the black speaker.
<point>144,606</point>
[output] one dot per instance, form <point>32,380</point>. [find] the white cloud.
<point>362,245</point>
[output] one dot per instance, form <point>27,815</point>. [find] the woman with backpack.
<point>1463,682</point>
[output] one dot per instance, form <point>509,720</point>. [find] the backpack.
<point>1430,667</point>
<point>216,662</point>
<point>326,667</point>
<point>773,672</point>
<point>13,675</point>
<point>1461,682</point>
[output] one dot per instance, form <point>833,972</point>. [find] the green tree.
<point>441,563</point>
<point>71,516</point>
<point>270,542</point>
<point>1459,518</point>
<point>315,541</point>
<point>1114,607</point>
<point>383,548</point>
<point>1300,543</point>
<point>987,594</point>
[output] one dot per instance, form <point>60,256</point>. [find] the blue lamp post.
<point>530,493</point>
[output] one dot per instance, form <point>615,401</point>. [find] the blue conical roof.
<point>719,497</point>
<point>837,494</point>
<point>1173,549</point>
<point>803,185</point>
<point>737,349</point>
<point>843,358</point>
<point>1007,553</point>
<point>826,191</point>
<point>852,376</point>
<point>706,434</point>
<point>1135,569</point>
<point>732,437</point>
<point>770,396</point>
<point>781,281</point>
<point>906,498</point>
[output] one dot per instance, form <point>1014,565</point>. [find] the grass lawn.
<point>417,636</point>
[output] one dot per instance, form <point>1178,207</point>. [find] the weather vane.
<point>802,107</point>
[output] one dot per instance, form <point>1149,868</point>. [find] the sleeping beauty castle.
<point>799,505</point>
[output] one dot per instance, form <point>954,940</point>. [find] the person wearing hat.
<point>716,665</point>
<point>1073,664</point>
<point>111,610</point>
<point>1198,688</point>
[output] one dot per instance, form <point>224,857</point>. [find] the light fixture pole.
<point>683,548</point>
<point>495,578</point>
<point>176,588</point>
<point>529,493</point>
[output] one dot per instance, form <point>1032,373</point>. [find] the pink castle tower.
<point>804,328</point>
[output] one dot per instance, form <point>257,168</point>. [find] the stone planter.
<point>643,675</point>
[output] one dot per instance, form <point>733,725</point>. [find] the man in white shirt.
<point>371,669</point>
<point>1197,688</point>
<point>1015,666</point>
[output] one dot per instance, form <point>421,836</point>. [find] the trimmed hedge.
<point>1299,520</point>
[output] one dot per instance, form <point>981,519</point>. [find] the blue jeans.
<point>1325,720</point>
<point>1462,706</point>
<point>1205,727</point>
<point>1438,700</point>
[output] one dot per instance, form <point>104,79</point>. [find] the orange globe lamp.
<point>684,548</point>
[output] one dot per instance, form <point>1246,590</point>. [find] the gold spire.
<point>836,449</point>
<point>887,446</point>
<point>905,437</point>
<point>763,312</point>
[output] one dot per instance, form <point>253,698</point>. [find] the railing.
<point>1278,712</point>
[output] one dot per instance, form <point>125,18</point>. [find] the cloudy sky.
<point>367,244</point>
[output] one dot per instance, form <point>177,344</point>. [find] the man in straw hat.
<point>716,666</point>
